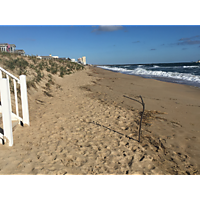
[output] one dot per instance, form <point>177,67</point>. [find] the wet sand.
<point>86,126</point>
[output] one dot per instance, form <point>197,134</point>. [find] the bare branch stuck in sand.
<point>143,105</point>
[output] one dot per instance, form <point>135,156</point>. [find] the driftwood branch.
<point>143,105</point>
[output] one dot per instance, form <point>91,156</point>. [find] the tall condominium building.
<point>84,60</point>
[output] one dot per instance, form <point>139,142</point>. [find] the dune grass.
<point>36,69</point>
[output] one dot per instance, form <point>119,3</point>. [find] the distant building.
<point>73,60</point>
<point>79,60</point>
<point>198,61</point>
<point>10,48</point>
<point>46,57</point>
<point>55,57</point>
<point>20,52</point>
<point>5,47</point>
<point>82,60</point>
<point>63,58</point>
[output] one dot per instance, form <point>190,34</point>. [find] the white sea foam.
<point>156,66</point>
<point>175,75</point>
<point>190,66</point>
<point>116,69</point>
<point>143,72</point>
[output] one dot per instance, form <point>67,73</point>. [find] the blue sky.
<point>108,44</point>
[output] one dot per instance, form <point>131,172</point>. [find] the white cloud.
<point>108,28</point>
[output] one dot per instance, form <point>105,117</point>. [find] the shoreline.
<point>164,79</point>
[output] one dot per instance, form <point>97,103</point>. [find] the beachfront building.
<point>20,52</point>
<point>55,57</point>
<point>48,57</point>
<point>5,47</point>
<point>82,60</point>
<point>79,60</point>
<point>10,48</point>
<point>73,60</point>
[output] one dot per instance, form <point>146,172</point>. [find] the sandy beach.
<point>86,126</point>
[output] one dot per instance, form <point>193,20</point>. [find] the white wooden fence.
<point>6,109</point>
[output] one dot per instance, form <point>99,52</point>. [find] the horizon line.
<point>148,63</point>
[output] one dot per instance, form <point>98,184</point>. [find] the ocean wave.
<point>190,66</point>
<point>175,75</point>
<point>116,69</point>
<point>148,73</point>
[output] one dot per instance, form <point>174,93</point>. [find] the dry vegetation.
<point>37,70</point>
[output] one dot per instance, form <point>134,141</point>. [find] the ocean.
<point>187,73</point>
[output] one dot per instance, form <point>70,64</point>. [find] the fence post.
<point>16,101</point>
<point>9,91</point>
<point>24,99</point>
<point>6,112</point>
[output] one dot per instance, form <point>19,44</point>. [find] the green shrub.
<point>40,66</point>
<point>39,76</point>
<point>31,84</point>
<point>34,59</point>
<point>48,69</point>
<point>63,71</point>
<point>47,86</point>
<point>50,62</point>
<point>61,74</point>
<point>32,66</point>
<point>5,54</point>
<point>10,64</point>
<point>50,81</point>
<point>20,64</point>
<point>54,68</point>
<point>50,76</point>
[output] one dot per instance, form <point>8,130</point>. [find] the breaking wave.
<point>175,75</point>
<point>190,66</point>
<point>159,74</point>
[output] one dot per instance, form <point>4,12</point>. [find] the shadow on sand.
<point>96,123</point>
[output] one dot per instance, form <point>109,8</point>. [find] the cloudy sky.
<point>108,44</point>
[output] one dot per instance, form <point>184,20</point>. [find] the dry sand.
<point>86,126</point>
